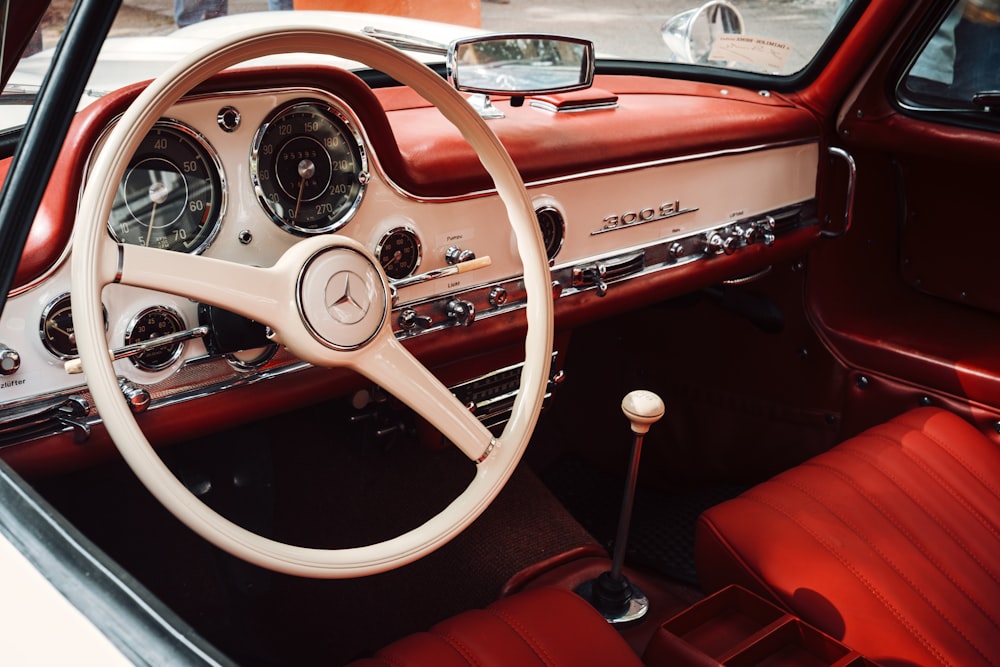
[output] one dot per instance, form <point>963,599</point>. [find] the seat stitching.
<point>922,465</point>
<point>457,645</point>
<point>921,462</point>
<point>903,620</point>
<point>525,636</point>
<point>919,545</point>
<point>972,470</point>
<point>886,558</point>
<point>860,454</point>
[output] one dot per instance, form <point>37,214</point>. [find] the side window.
<point>958,68</point>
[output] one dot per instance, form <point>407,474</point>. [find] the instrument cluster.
<point>307,162</point>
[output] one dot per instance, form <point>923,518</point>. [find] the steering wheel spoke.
<point>392,367</point>
<point>254,292</point>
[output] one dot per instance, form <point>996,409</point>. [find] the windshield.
<point>766,37</point>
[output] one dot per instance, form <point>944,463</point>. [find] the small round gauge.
<point>399,252</point>
<point>155,322</point>
<point>309,168</point>
<point>553,228</point>
<point>56,328</point>
<point>172,195</point>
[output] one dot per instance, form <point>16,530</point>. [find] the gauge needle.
<point>307,168</point>
<point>52,326</point>
<point>157,194</point>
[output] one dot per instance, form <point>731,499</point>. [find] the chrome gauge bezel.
<point>178,348</point>
<point>389,234</point>
<point>337,115</point>
<point>52,308</point>
<point>218,174</point>
<point>552,247</point>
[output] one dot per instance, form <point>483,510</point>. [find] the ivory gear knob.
<point>642,408</point>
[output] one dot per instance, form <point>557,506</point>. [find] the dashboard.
<point>642,189</point>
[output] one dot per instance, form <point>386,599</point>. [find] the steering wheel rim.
<point>98,261</point>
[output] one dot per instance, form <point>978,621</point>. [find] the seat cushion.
<point>546,626</point>
<point>890,542</point>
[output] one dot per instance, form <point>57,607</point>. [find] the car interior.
<point>675,365</point>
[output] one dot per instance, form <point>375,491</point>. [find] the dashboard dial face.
<point>309,168</point>
<point>153,323</point>
<point>172,195</point>
<point>553,228</point>
<point>56,329</point>
<point>399,253</point>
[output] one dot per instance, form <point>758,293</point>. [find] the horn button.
<point>342,298</point>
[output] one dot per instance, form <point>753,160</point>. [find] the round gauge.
<point>152,323</point>
<point>553,228</point>
<point>172,195</point>
<point>399,252</point>
<point>56,329</point>
<point>309,168</point>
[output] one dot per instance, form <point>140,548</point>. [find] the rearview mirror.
<point>520,64</point>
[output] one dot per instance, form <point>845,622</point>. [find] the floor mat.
<point>661,538</point>
<point>295,478</point>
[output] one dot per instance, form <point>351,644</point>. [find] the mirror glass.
<point>691,35</point>
<point>520,64</point>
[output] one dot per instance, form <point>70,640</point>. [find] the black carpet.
<point>661,538</point>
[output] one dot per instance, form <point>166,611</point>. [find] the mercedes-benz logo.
<point>347,298</point>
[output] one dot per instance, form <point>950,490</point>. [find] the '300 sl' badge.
<point>665,210</point>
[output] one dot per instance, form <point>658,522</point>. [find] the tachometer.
<point>173,194</point>
<point>309,168</point>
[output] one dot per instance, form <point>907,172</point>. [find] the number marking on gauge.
<point>172,194</point>
<point>309,168</point>
<point>399,252</point>
<point>155,322</point>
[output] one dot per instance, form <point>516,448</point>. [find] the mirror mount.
<point>482,103</point>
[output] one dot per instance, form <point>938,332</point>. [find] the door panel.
<point>910,298</point>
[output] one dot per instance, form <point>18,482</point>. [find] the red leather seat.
<point>545,626</point>
<point>890,542</point>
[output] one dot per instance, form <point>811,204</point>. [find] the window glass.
<point>773,38</point>
<point>958,68</point>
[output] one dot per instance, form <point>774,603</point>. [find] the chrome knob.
<point>10,360</point>
<point>714,243</point>
<point>461,312</point>
<point>410,321</point>
<point>138,398</point>
<point>456,255</point>
<point>498,297</point>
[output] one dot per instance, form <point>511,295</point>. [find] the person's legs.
<point>187,12</point>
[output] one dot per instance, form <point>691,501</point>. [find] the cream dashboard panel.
<point>615,224</point>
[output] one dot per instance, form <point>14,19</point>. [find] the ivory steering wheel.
<point>290,298</point>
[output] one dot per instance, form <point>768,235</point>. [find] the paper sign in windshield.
<point>767,54</point>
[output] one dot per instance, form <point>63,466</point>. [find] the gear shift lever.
<point>611,593</point>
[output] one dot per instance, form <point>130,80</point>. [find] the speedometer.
<point>173,194</point>
<point>309,168</point>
